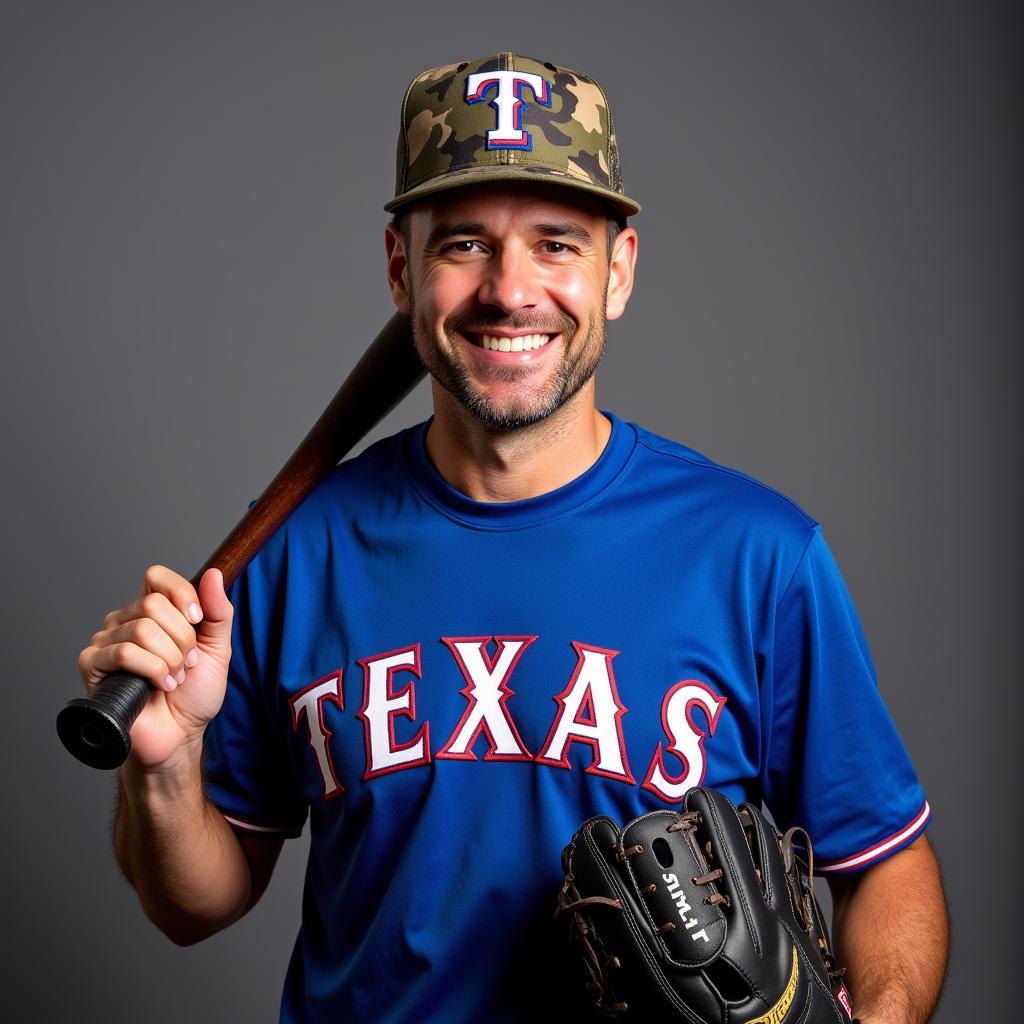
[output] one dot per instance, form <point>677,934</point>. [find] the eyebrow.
<point>443,231</point>
<point>566,229</point>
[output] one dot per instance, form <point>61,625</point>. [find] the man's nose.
<point>509,281</point>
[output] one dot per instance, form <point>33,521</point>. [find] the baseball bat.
<point>97,728</point>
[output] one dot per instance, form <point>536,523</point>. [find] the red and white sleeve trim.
<point>879,850</point>
<point>248,826</point>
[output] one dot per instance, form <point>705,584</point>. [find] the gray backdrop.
<point>828,299</point>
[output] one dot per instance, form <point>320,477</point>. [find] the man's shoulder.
<point>375,465</point>
<point>351,488</point>
<point>724,492</point>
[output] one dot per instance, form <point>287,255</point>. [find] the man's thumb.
<point>215,629</point>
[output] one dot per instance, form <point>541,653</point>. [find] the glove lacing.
<point>687,821</point>
<point>797,871</point>
<point>569,901</point>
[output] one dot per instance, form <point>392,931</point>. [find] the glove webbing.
<point>570,901</point>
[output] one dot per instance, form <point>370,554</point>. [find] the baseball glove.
<point>705,916</point>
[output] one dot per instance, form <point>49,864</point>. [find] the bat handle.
<point>97,729</point>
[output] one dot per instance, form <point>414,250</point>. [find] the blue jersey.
<point>448,688</point>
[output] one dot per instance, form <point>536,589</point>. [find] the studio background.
<point>828,298</point>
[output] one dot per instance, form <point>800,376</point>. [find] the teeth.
<point>524,343</point>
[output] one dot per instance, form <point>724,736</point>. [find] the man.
<point>498,623</point>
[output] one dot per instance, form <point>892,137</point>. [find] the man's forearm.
<point>178,852</point>
<point>892,933</point>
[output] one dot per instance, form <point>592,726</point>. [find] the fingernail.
<point>195,613</point>
<point>170,682</point>
<point>192,658</point>
<point>180,675</point>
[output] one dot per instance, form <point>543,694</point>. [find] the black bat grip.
<point>97,728</point>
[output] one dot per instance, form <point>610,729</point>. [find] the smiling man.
<point>493,625</point>
<point>510,287</point>
<point>529,325</point>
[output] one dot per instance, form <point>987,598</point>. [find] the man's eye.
<point>556,248</point>
<point>466,245</point>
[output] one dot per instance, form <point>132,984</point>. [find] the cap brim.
<point>512,172</point>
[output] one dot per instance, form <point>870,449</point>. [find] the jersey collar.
<point>517,515</point>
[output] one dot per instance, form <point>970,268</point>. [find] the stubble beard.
<point>581,357</point>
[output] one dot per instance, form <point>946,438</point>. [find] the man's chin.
<point>507,418</point>
<point>514,413</point>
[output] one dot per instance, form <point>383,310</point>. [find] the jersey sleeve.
<point>835,764</point>
<point>249,776</point>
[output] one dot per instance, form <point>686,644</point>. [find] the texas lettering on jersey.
<point>588,711</point>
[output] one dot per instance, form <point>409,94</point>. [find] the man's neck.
<point>488,465</point>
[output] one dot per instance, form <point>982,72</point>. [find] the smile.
<point>520,343</point>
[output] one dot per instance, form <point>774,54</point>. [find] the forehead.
<point>508,204</point>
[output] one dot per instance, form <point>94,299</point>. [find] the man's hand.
<point>179,640</point>
<point>892,932</point>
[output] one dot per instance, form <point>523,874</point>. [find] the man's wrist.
<point>176,778</point>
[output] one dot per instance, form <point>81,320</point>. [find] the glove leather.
<point>744,947</point>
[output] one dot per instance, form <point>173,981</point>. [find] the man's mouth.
<point>502,343</point>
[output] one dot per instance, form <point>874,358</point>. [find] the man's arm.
<point>193,873</point>
<point>892,933</point>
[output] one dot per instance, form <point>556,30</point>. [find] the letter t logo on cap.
<point>509,103</point>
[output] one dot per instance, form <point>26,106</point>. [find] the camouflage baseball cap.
<point>507,118</point>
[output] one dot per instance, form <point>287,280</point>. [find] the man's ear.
<point>397,268</point>
<point>620,272</point>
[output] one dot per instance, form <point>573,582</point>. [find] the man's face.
<point>508,290</point>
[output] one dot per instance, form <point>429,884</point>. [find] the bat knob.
<point>97,729</point>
